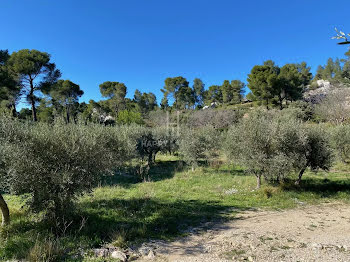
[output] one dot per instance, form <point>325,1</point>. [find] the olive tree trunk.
<point>258,181</point>
<point>300,176</point>
<point>5,211</point>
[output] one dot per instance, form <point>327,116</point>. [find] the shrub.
<point>303,110</point>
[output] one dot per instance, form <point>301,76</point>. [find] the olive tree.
<point>149,141</point>
<point>276,144</point>
<point>302,145</point>
<point>142,145</point>
<point>341,142</point>
<point>198,144</point>
<point>316,153</point>
<point>55,164</point>
<point>220,119</point>
<point>251,143</point>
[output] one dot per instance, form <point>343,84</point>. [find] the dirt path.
<point>312,233</point>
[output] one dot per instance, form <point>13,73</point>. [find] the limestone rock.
<point>119,255</point>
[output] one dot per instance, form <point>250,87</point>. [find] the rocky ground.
<point>311,233</point>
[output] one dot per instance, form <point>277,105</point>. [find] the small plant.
<point>269,191</point>
<point>47,250</point>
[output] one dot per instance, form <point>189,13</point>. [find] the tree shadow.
<point>122,222</point>
<point>322,187</point>
<point>137,220</point>
<point>160,170</point>
<point>229,170</point>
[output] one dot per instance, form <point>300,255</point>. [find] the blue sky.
<point>141,42</point>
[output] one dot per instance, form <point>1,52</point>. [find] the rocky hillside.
<point>322,90</point>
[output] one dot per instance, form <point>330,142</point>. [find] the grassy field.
<point>126,211</point>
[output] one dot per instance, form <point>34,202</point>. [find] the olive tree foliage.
<point>303,146</point>
<point>251,144</point>
<point>335,107</point>
<point>220,119</point>
<point>275,145</point>
<point>143,144</point>
<point>341,142</point>
<point>155,140</point>
<point>55,164</point>
<point>199,144</point>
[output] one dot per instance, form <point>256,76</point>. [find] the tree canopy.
<point>36,73</point>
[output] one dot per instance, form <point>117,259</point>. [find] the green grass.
<point>127,211</point>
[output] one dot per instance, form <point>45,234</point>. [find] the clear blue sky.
<point>141,42</point>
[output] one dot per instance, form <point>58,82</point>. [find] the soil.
<point>309,233</point>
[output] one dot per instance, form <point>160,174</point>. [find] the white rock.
<point>231,191</point>
<point>119,255</point>
<point>316,246</point>
<point>101,252</point>
<point>144,251</point>
<point>151,255</point>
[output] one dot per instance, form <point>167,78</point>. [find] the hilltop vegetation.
<point>31,76</point>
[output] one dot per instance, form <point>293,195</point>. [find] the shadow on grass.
<point>159,171</point>
<point>322,187</point>
<point>162,170</point>
<point>117,221</point>
<point>227,170</point>
<point>141,219</point>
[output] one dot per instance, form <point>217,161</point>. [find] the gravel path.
<point>311,233</point>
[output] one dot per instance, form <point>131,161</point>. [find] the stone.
<point>119,255</point>
<point>144,251</point>
<point>231,191</point>
<point>101,252</point>
<point>316,246</point>
<point>151,255</point>
<point>250,259</point>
